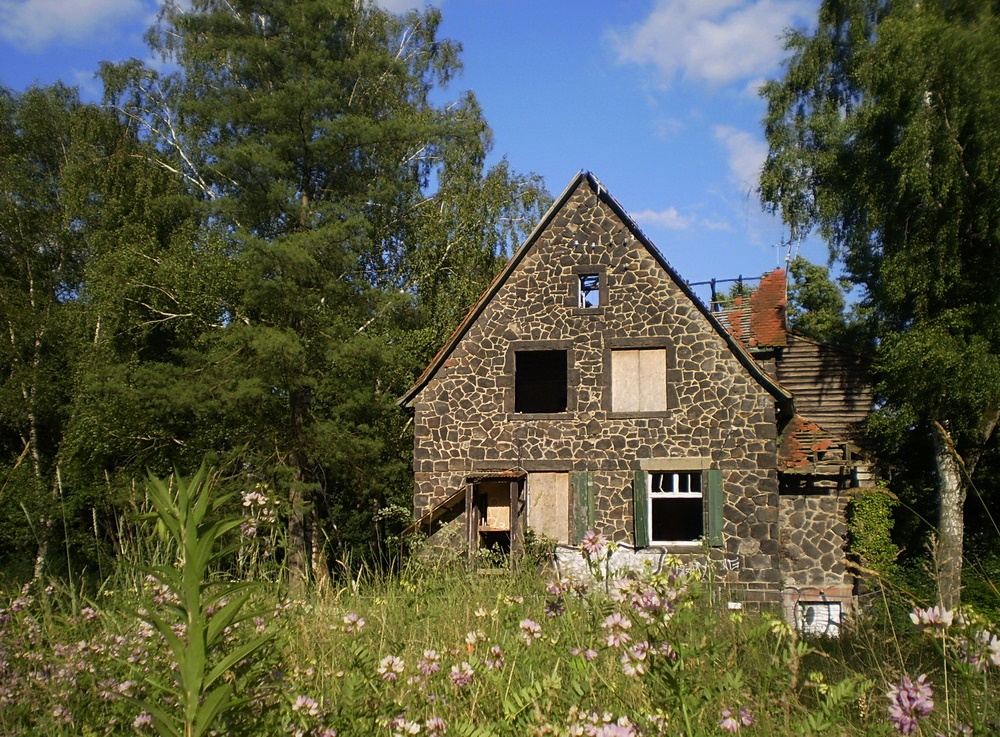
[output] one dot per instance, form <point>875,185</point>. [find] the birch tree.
<point>884,136</point>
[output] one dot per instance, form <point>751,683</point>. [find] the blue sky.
<point>658,98</point>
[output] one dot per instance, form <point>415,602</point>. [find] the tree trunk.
<point>300,518</point>
<point>297,557</point>
<point>951,519</point>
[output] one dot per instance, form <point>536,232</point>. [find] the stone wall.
<point>464,419</point>
<point>814,549</point>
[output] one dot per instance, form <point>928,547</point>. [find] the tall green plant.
<point>206,610</point>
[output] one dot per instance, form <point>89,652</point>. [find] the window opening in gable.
<point>676,509</point>
<point>639,380</point>
<point>540,379</point>
<point>590,290</point>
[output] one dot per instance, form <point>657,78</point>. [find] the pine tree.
<point>308,131</point>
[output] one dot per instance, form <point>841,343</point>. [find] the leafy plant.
<point>197,615</point>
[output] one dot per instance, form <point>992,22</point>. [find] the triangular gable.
<point>738,350</point>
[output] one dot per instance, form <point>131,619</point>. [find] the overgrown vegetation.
<point>436,650</point>
<point>248,258</point>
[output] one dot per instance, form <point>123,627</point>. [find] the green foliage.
<point>357,222</point>
<point>816,304</point>
<point>246,258</point>
<point>393,655</point>
<point>198,612</point>
<point>869,524</point>
<point>883,135</point>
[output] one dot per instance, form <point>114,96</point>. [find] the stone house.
<point>589,388</point>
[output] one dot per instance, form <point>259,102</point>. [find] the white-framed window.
<point>676,511</point>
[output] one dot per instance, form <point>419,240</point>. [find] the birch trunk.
<point>951,519</point>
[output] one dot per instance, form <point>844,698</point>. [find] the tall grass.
<point>446,650</point>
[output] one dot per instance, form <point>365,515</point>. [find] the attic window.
<point>590,290</point>
<point>540,379</point>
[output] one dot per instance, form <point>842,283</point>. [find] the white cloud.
<point>715,41</point>
<point>669,218</point>
<point>745,154</point>
<point>664,127</point>
<point>33,24</point>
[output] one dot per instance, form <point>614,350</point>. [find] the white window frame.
<point>680,483</point>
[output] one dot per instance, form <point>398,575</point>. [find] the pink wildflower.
<point>390,667</point>
<point>471,638</point>
<point>461,675</point>
<point>142,720</point>
<point>934,618</point>
<point>593,544</point>
<point>402,726</point>
<point>617,626</point>
<point>615,729</point>
<point>306,705</point>
<point>435,726</point>
<point>494,661</point>
<point>910,702</point>
<point>530,630</point>
<point>353,622</point>
<point>430,663</point>
<point>728,722</point>
<point>557,588</point>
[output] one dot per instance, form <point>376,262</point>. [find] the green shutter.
<point>714,478</point>
<point>640,509</point>
<point>583,505</point>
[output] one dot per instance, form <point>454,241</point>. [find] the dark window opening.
<point>540,379</point>
<point>590,290</point>
<point>676,511</point>
<point>790,484</point>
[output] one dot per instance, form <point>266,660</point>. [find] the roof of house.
<point>738,349</point>
<point>758,321</point>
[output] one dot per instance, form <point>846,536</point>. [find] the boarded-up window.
<point>639,380</point>
<point>548,505</point>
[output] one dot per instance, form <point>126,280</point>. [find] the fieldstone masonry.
<point>465,425</point>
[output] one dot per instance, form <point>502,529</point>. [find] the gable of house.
<point>589,388</point>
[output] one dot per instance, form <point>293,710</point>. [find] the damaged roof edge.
<point>768,382</point>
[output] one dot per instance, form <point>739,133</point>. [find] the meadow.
<point>195,635</point>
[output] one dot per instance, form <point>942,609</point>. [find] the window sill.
<point>512,416</point>
<point>595,311</point>
<point>640,415</point>
<point>681,547</point>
